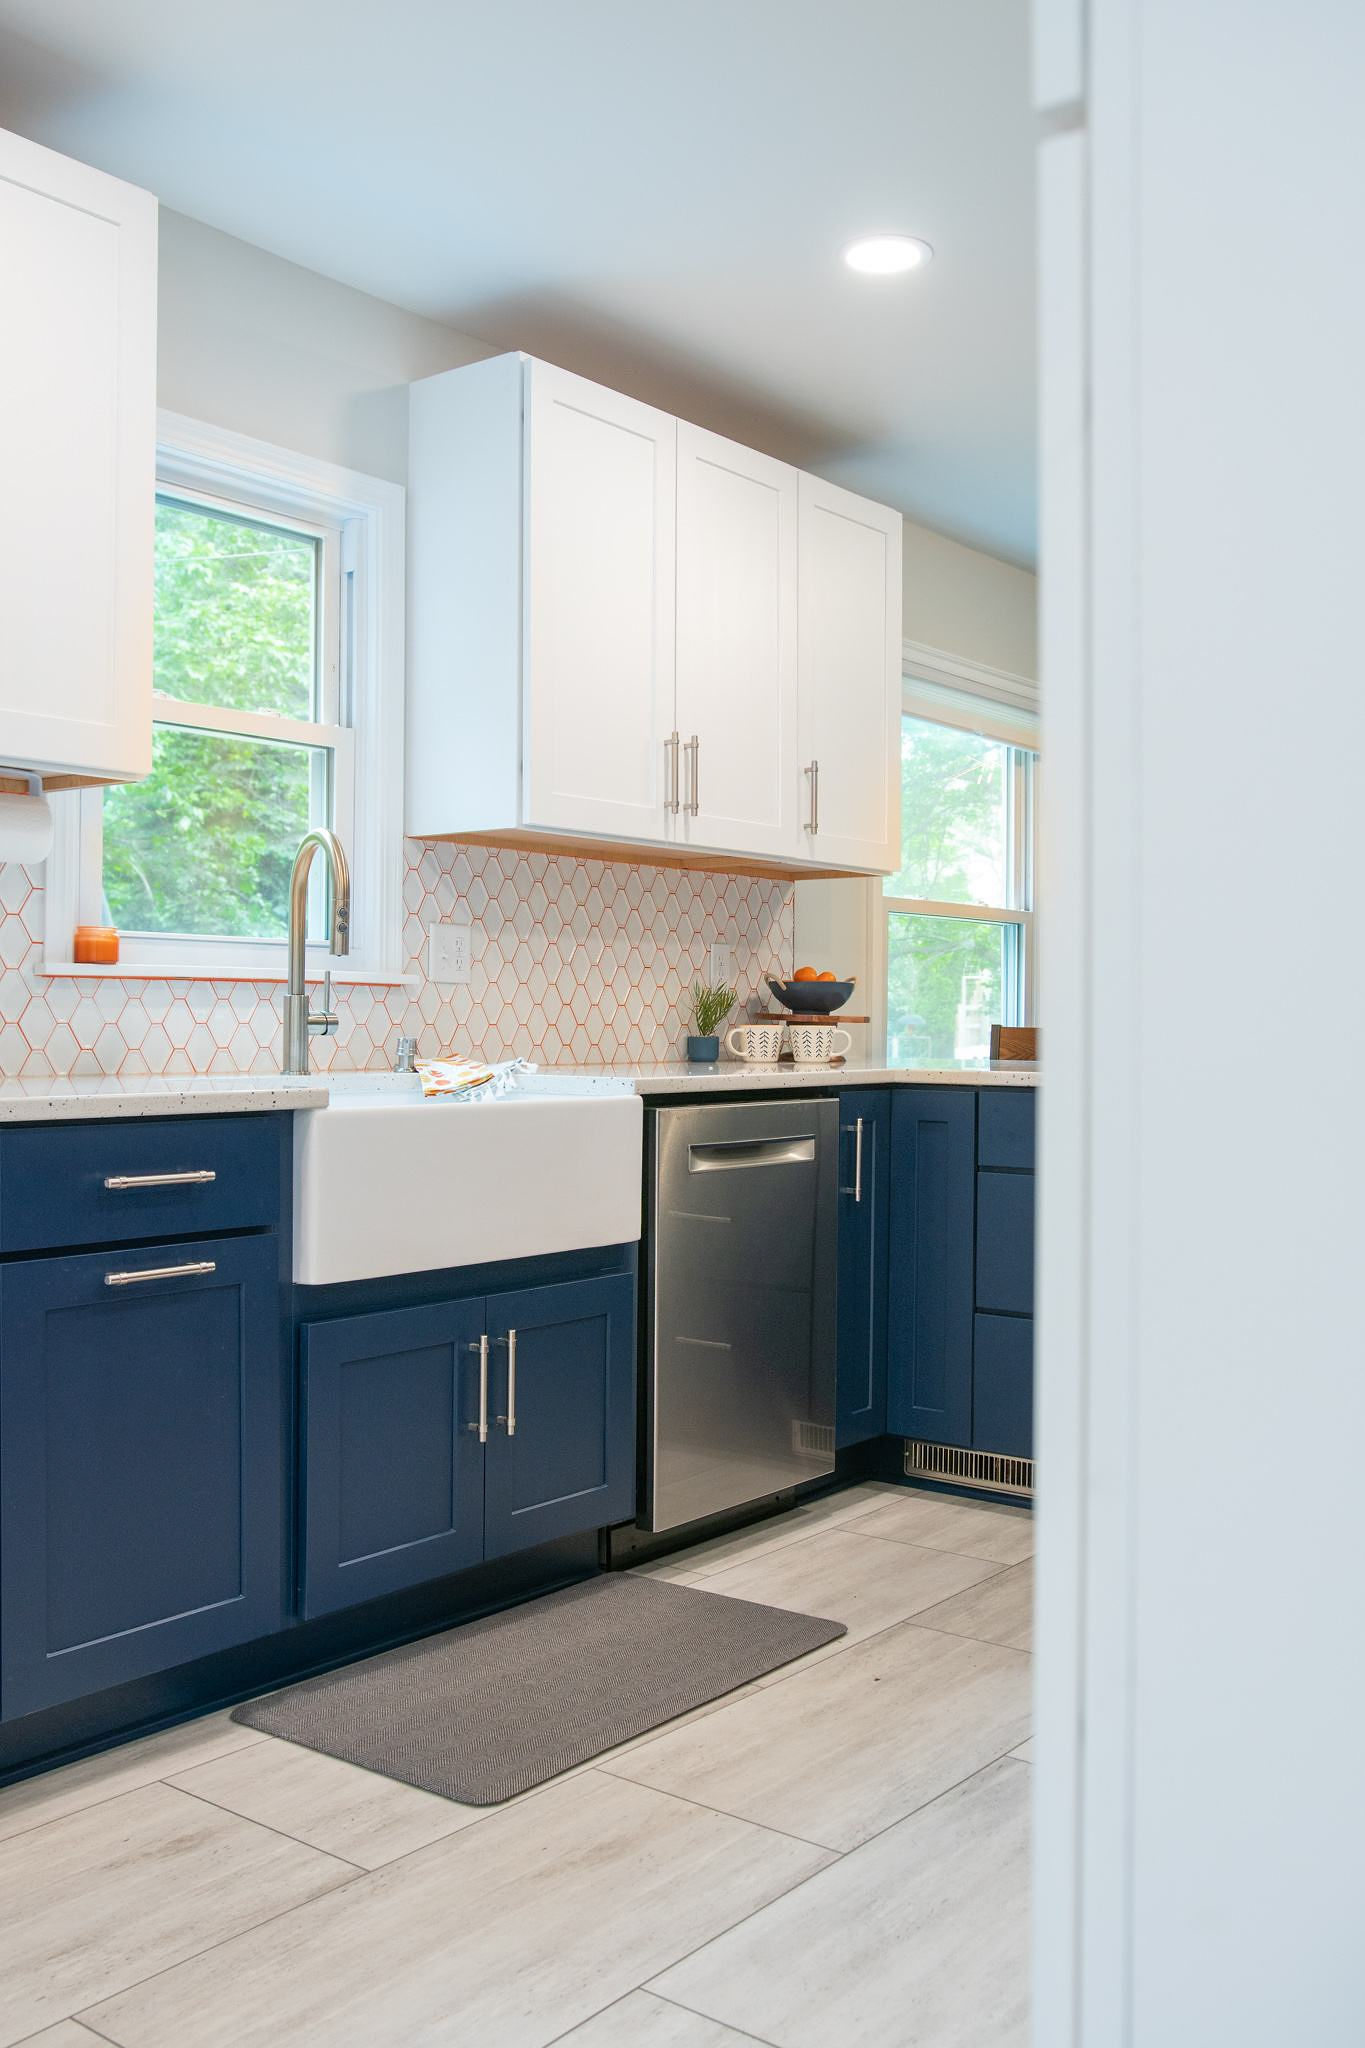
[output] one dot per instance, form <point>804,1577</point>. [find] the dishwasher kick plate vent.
<point>968,1468</point>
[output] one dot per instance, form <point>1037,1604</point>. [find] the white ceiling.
<point>654,193</point>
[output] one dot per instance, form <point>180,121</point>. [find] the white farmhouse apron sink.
<point>386,1182</point>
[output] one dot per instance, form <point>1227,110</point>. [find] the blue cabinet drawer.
<point>1004,1242</point>
<point>1002,1386</point>
<point>110,1183</point>
<point>1005,1127</point>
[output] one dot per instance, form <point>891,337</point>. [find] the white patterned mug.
<point>755,1041</point>
<point>813,1044</point>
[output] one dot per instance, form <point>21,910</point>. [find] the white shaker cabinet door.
<point>77,461</point>
<point>597,664</point>
<point>850,658</point>
<point>736,642</point>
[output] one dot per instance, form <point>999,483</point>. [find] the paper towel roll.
<point>25,829</point>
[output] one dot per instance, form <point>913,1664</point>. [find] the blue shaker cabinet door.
<point>561,1452</point>
<point>930,1264</point>
<point>141,1463</point>
<point>864,1180</point>
<point>392,1463</point>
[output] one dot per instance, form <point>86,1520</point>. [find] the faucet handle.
<point>405,1056</point>
<point>324,1020</point>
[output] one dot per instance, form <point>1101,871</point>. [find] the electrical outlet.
<point>721,965</point>
<point>449,952</point>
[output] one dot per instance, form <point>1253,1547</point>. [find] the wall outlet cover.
<point>450,950</point>
<point>722,965</point>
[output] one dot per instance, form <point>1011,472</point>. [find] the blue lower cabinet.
<point>1002,1386</point>
<point>397,1486</point>
<point>561,1453</point>
<point>864,1183</point>
<point>930,1264</point>
<point>141,1463</point>
<point>392,1467</point>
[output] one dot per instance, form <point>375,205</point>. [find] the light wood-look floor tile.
<point>36,1800</point>
<point>841,1576</point>
<point>366,1818</point>
<point>66,2034</point>
<point>1025,1751</point>
<point>644,2021</point>
<point>776,1532</point>
<point>111,1894</point>
<point>993,1529</point>
<point>918,1940</point>
<point>842,1749</point>
<point>508,1933</point>
<point>999,1610</point>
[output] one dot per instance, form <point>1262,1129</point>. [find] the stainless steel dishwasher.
<point>742,1271</point>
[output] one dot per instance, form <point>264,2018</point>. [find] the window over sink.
<point>277,706</point>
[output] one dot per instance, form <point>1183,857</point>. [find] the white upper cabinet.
<point>736,646</point>
<point>77,456</point>
<point>606,633</point>
<point>598,654</point>
<point>849,641</point>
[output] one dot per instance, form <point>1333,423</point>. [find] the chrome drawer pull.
<point>481,1426</point>
<point>510,1418</point>
<point>161,1273</point>
<point>198,1177</point>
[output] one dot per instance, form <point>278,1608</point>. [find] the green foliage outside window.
<point>945,975</point>
<point>205,845</point>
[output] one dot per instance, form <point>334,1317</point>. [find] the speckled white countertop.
<point>678,1077</point>
<point>75,1097</point>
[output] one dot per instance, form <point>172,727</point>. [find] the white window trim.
<point>947,689</point>
<point>366,514</point>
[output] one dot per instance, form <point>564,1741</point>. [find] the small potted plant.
<point>710,1008</point>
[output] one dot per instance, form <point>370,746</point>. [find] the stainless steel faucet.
<point>300,1023</point>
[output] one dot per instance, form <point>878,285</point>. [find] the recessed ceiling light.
<point>887,255</point>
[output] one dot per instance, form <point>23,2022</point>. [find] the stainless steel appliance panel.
<point>742,1339</point>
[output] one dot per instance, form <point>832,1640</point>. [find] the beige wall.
<point>248,341</point>
<point>968,604</point>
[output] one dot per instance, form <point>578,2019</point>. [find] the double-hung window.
<point>277,707</point>
<point>960,954</point>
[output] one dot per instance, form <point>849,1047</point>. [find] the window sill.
<point>142,970</point>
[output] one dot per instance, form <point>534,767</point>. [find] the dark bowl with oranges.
<point>810,994</point>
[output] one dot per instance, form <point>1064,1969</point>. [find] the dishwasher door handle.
<point>728,1154</point>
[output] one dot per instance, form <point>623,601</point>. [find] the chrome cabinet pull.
<point>199,1177</point>
<point>857,1188</point>
<point>161,1273</point>
<point>694,775</point>
<point>671,748</point>
<point>510,1418</point>
<point>482,1424</point>
<point>814,773</point>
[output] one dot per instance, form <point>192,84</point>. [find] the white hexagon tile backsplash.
<point>575,962</point>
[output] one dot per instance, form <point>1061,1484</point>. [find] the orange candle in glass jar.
<point>95,944</point>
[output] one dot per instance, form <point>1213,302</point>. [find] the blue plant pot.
<point>703,1051</point>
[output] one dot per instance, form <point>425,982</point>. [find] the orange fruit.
<point>827,976</point>
<point>805,974</point>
